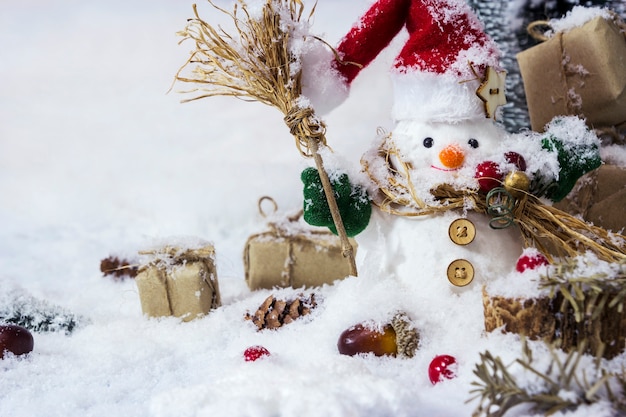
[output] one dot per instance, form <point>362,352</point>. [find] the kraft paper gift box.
<point>294,256</point>
<point>548,318</point>
<point>578,72</point>
<point>599,197</point>
<point>179,282</point>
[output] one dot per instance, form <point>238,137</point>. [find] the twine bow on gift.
<point>280,228</point>
<point>538,29</point>
<point>297,238</point>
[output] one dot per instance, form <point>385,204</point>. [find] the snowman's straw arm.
<point>260,66</point>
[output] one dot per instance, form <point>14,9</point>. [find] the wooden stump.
<point>554,320</point>
<point>532,318</point>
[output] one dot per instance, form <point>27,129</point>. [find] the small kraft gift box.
<point>179,280</point>
<point>578,69</point>
<point>293,254</point>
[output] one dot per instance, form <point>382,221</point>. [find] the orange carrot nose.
<point>452,156</point>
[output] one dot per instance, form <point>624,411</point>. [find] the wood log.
<point>554,320</point>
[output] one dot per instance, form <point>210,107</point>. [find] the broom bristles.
<point>260,66</point>
<point>257,66</point>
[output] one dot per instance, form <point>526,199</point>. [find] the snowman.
<point>447,87</point>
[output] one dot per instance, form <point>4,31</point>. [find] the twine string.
<point>260,205</point>
<point>534,30</point>
<point>305,127</point>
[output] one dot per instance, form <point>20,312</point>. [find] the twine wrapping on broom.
<point>552,231</point>
<point>260,66</point>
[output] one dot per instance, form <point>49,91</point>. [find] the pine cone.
<point>118,268</point>
<point>274,313</point>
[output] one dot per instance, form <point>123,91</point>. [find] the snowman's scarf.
<point>552,231</point>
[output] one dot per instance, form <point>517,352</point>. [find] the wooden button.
<point>462,231</point>
<point>460,272</point>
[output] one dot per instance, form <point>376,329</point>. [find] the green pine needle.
<point>499,391</point>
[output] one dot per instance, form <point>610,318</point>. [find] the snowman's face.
<point>441,152</point>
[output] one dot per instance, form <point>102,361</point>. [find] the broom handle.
<point>348,250</point>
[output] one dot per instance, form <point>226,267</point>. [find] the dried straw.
<point>563,387</point>
<point>259,66</point>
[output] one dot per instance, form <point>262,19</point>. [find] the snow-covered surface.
<point>577,17</point>
<point>96,159</point>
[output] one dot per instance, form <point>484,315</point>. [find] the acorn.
<point>397,338</point>
<point>15,339</point>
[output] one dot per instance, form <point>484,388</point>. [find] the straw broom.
<point>259,66</point>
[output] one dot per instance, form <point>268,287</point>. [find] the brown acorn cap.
<point>407,336</point>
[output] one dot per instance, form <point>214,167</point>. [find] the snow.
<point>577,17</point>
<point>96,159</point>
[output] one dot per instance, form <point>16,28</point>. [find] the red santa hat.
<point>442,64</point>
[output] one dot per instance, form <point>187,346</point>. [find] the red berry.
<point>442,367</point>
<point>530,260</point>
<point>15,339</point>
<point>489,175</point>
<point>517,159</point>
<point>255,352</point>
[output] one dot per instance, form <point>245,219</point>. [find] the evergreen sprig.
<point>22,309</point>
<point>563,386</point>
<point>587,295</point>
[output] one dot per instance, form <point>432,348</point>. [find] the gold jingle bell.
<point>517,183</point>
<point>460,272</point>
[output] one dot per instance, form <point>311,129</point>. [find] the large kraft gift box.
<point>180,282</point>
<point>293,254</point>
<point>599,197</point>
<point>581,71</point>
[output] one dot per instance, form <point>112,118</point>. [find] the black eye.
<point>428,142</point>
<point>473,143</point>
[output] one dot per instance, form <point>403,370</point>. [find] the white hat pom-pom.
<point>322,85</point>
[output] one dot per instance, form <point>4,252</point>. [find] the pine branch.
<point>587,295</point>
<point>37,315</point>
<point>563,386</point>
